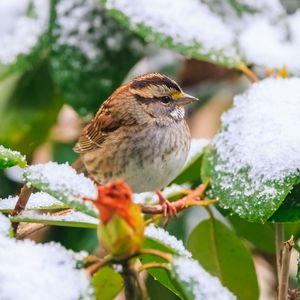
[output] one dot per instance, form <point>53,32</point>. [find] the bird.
<point>140,135</point>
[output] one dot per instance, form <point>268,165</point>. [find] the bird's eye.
<point>165,99</point>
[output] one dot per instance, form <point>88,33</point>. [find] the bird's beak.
<point>185,99</point>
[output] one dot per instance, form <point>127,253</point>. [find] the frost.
<point>9,158</point>
<point>188,23</point>
<point>22,23</point>
<point>5,226</point>
<point>30,271</point>
<point>38,200</point>
<point>168,240</point>
<point>198,282</point>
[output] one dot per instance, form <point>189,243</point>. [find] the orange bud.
<point>121,230</point>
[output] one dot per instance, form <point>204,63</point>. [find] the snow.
<point>188,22</point>
<point>7,154</point>
<point>151,198</point>
<point>75,20</point>
<point>73,216</point>
<point>261,134</point>
<point>5,226</point>
<point>30,271</point>
<point>273,44</point>
<point>20,33</point>
<point>200,283</point>
<point>161,235</point>
<point>38,200</point>
<point>62,179</point>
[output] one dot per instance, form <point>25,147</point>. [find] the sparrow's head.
<point>160,96</point>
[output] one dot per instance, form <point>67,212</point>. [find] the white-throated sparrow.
<point>138,134</point>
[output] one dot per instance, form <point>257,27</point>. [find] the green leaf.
<point>168,31</point>
<point>289,210</point>
<point>107,283</point>
<point>9,158</point>
<point>89,65</point>
<point>28,109</point>
<point>70,219</point>
<point>220,252</point>
<point>261,236</point>
<point>159,274</point>
<point>257,206</point>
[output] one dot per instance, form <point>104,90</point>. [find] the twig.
<point>193,199</point>
<point>248,72</point>
<point>92,269</point>
<point>159,253</point>
<point>28,229</point>
<point>279,239</point>
<point>141,285</point>
<point>154,265</point>
<point>21,203</point>
<point>285,267</point>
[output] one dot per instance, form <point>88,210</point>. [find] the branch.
<point>279,239</point>
<point>21,203</point>
<point>193,199</point>
<point>284,271</point>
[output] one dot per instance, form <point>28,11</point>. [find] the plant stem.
<point>279,239</point>
<point>21,203</point>
<point>285,267</point>
<point>159,253</point>
<point>248,72</point>
<point>130,285</point>
<point>154,265</point>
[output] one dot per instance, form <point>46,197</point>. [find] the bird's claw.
<point>169,211</point>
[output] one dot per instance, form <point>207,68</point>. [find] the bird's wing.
<point>95,133</point>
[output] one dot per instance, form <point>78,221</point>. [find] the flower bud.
<point>121,229</point>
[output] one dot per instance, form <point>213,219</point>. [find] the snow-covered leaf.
<point>196,283</point>
<point>62,182</point>
<point>37,201</point>
<point>41,271</point>
<point>5,226</point>
<point>188,27</point>
<point>91,53</point>
<point>254,161</point>
<point>23,28</point>
<point>10,158</point>
<point>69,219</point>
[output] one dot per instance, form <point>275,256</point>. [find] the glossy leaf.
<point>261,236</point>
<point>220,252</point>
<point>254,206</point>
<point>28,109</point>
<point>197,47</point>
<point>10,158</point>
<point>91,60</point>
<point>160,274</point>
<point>289,211</point>
<point>70,219</point>
<point>107,283</point>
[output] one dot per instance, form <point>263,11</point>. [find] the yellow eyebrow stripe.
<point>176,95</point>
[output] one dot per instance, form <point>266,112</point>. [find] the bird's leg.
<point>168,209</point>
